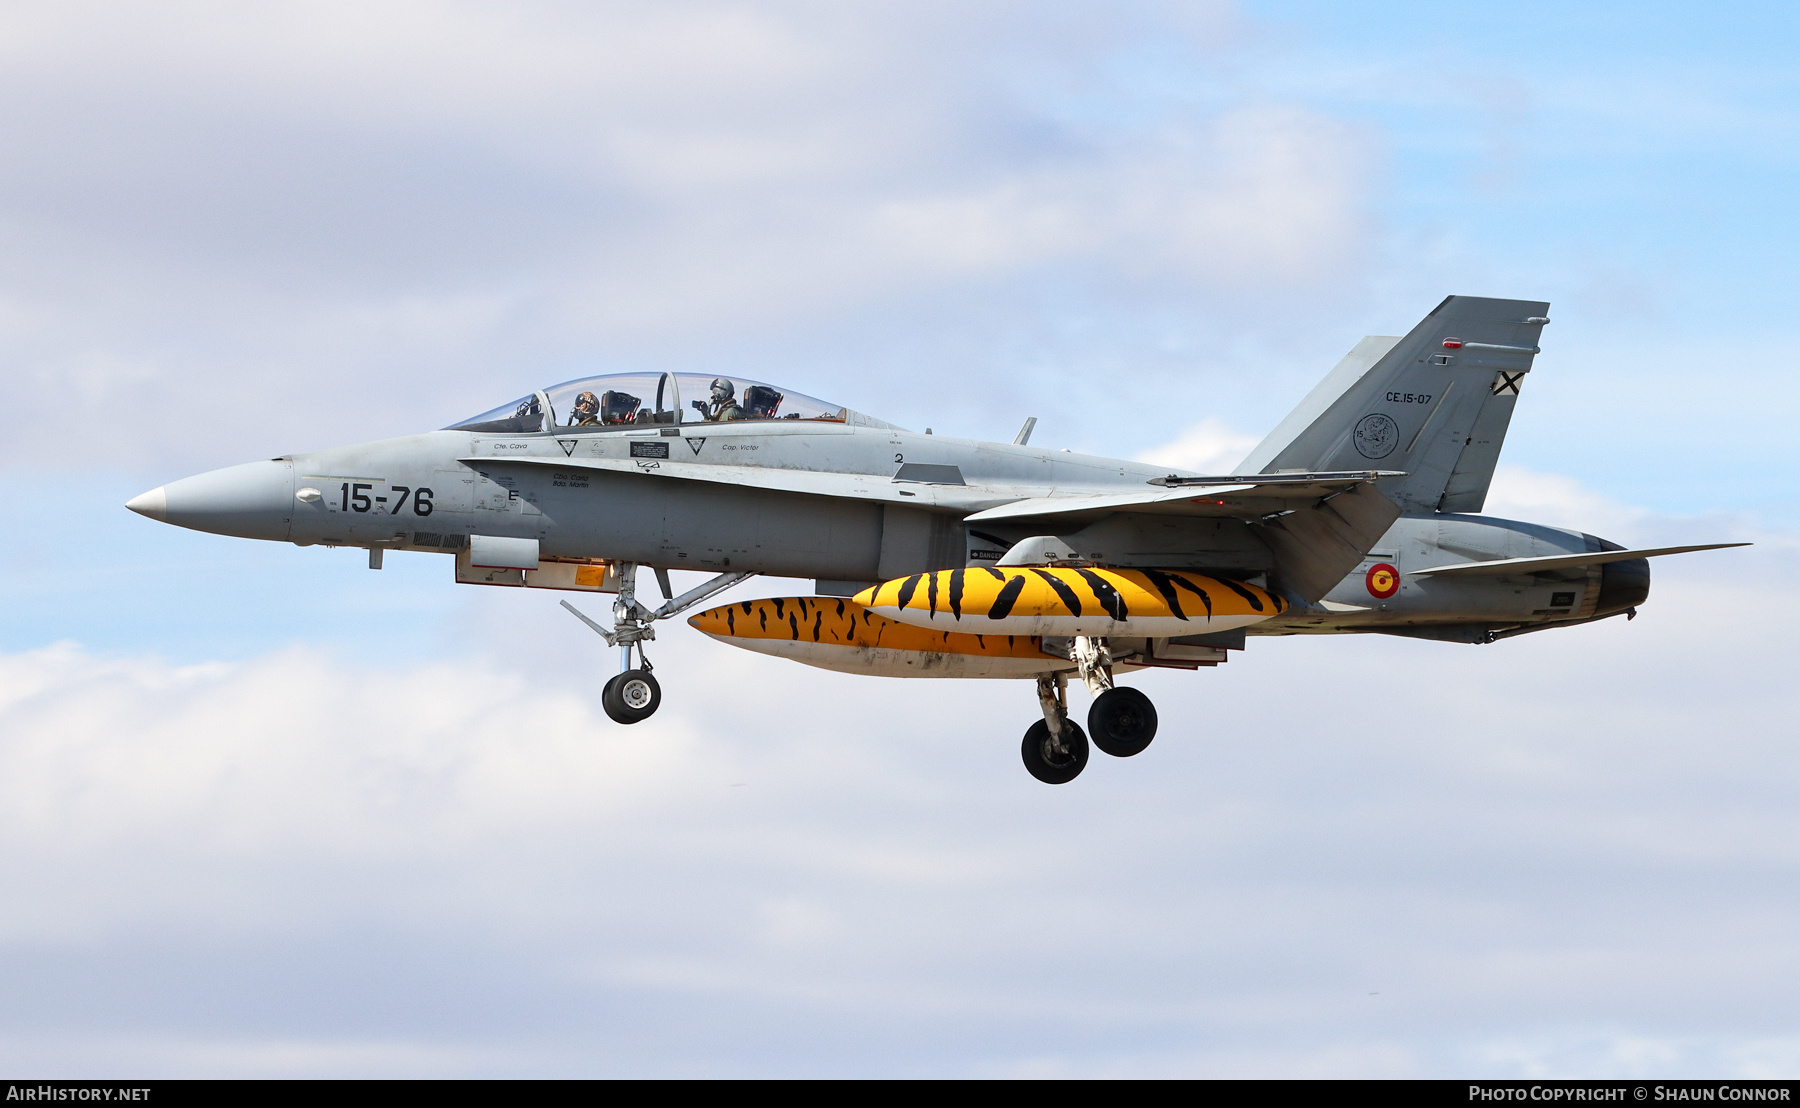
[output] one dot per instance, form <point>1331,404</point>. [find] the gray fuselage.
<point>853,502</point>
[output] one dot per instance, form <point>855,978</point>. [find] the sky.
<point>266,813</point>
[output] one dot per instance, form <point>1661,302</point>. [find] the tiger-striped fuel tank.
<point>833,633</point>
<point>1034,601</point>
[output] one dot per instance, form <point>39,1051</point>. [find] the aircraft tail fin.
<point>1435,403</point>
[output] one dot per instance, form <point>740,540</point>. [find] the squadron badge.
<point>1376,435</point>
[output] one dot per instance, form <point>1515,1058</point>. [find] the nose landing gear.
<point>633,696</point>
<point>1123,721</point>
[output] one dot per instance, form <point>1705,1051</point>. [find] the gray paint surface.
<point>1394,450</point>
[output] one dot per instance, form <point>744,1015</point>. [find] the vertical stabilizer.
<point>1435,404</point>
<point>1347,372</point>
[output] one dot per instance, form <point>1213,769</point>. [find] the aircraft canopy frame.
<point>617,401</point>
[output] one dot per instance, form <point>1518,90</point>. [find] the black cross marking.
<point>1508,382</point>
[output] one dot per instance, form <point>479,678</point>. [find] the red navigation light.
<point>1452,344</point>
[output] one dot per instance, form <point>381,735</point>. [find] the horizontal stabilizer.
<point>1561,561</point>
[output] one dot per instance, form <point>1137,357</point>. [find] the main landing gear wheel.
<point>1123,721</point>
<point>1044,762</point>
<point>631,697</point>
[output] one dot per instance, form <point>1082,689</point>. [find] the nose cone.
<point>154,504</point>
<point>253,501</point>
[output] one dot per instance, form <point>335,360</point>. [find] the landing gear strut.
<point>633,696</point>
<point>1055,751</point>
<point>1123,721</point>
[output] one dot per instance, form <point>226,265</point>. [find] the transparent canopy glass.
<point>633,399</point>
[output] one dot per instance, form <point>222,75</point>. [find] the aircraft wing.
<point>1560,561</point>
<point>1233,496</point>
<point>1250,496</point>
<point>852,486</point>
<point>1160,499</point>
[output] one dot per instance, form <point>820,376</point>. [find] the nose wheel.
<point>631,697</point>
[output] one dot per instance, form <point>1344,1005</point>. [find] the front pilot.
<point>724,404</point>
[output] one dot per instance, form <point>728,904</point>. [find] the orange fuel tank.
<point>1029,601</point>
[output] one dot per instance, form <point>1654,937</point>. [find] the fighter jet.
<point>935,556</point>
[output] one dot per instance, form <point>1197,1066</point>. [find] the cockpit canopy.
<point>635,399</point>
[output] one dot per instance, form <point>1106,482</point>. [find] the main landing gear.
<point>633,696</point>
<point>1122,721</point>
<point>1055,750</point>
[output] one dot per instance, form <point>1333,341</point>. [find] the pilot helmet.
<point>720,384</point>
<point>587,404</point>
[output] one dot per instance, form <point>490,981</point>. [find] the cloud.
<point>1213,446</point>
<point>306,863</point>
<point>309,217</point>
<point>1209,447</point>
<point>1601,1054</point>
<point>232,231</point>
<point>1551,498</point>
